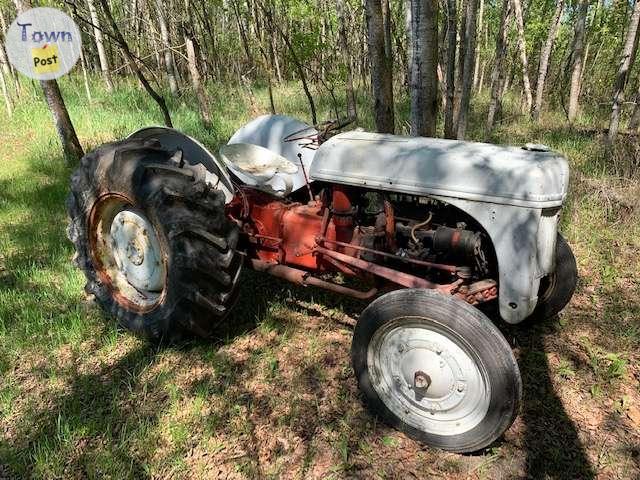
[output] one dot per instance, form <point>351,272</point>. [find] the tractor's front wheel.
<point>153,240</point>
<point>437,369</point>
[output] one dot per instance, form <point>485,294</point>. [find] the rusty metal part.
<point>437,266</point>
<point>421,381</point>
<point>400,278</point>
<point>306,179</point>
<point>340,266</point>
<point>479,292</point>
<point>390,225</point>
<point>300,277</point>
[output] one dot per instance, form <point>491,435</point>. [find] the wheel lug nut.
<point>461,387</point>
<point>401,348</point>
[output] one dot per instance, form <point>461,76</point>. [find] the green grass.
<point>275,396</point>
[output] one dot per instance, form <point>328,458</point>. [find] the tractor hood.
<point>446,168</point>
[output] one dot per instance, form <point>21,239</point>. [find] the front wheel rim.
<point>428,376</point>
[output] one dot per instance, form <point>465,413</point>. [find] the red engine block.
<point>286,233</point>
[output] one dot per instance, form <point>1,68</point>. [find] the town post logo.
<point>43,43</point>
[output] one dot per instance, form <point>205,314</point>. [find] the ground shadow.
<point>551,441</point>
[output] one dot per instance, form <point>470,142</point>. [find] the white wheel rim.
<point>128,253</point>
<point>428,376</point>
<point>136,251</point>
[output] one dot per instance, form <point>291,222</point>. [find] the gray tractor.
<point>436,236</point>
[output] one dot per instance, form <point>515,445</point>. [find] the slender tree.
<point>194,72</point>
<point>577,59</point>
<point>467,63</point>
<point>452,22</point>
<point>522,50</point>
<point>424,67</point>
<point>381,71</point>
<point>344,46</point>
<point>497,73</point>
<point>634,121</point>
<point>169,64</point>
<point>545,54</point>
<point>627,58</point>
<point>102,54</point>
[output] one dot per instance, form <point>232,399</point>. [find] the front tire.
<point>153,240</point>
<point>557,288</point>
<point>437,369</point>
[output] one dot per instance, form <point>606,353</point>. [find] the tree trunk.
<point>5,93</point>
<point>467,65</point>
<point>578,52</point>
<point>424,67</point>
<point>70,144</point>
<point>102,55</point>
<point>522,50</point>
<point>166,43</point>
<point>344,46</point>
<point>381,73</point>
<point>496,74</point>
<point>85,77</point>
<point>626,62</point>
<point>134,66</point>
<point>544,58</point>
<point>196,82</point>
<point>449,130</point>
<point>634,122</point>
<point>476,69</point>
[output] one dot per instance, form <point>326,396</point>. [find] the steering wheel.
<point>320,132</point>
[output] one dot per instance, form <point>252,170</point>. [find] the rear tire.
<point>153,240</point>
<point>437,369</point>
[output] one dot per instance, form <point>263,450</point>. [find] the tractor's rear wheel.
<point>153,240</point>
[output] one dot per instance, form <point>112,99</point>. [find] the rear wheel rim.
<point>127,250</point>
<point>428,376</point>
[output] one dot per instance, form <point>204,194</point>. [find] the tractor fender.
<point>524,243</point>
<point>194,152</point>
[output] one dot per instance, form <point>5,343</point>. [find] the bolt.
<point>401,348</point>
<point>461,387</point>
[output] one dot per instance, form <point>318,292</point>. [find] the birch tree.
<point>522,50</point>
<point>577,60</point>
<point>381,71</point>
<point>627,58</point>
<point>344,45</point>
<point>102,54</point>
<point>497,72</point>
<point>452,22</point>
<point>545,54</point>
<point>166,43</point>
<point>467,53</point>
<point>424,67</point>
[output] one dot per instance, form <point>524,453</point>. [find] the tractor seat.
<point>259,168</point>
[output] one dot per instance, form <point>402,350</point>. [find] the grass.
<point>275,396</point>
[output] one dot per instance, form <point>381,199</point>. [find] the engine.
<point>417,235</point>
